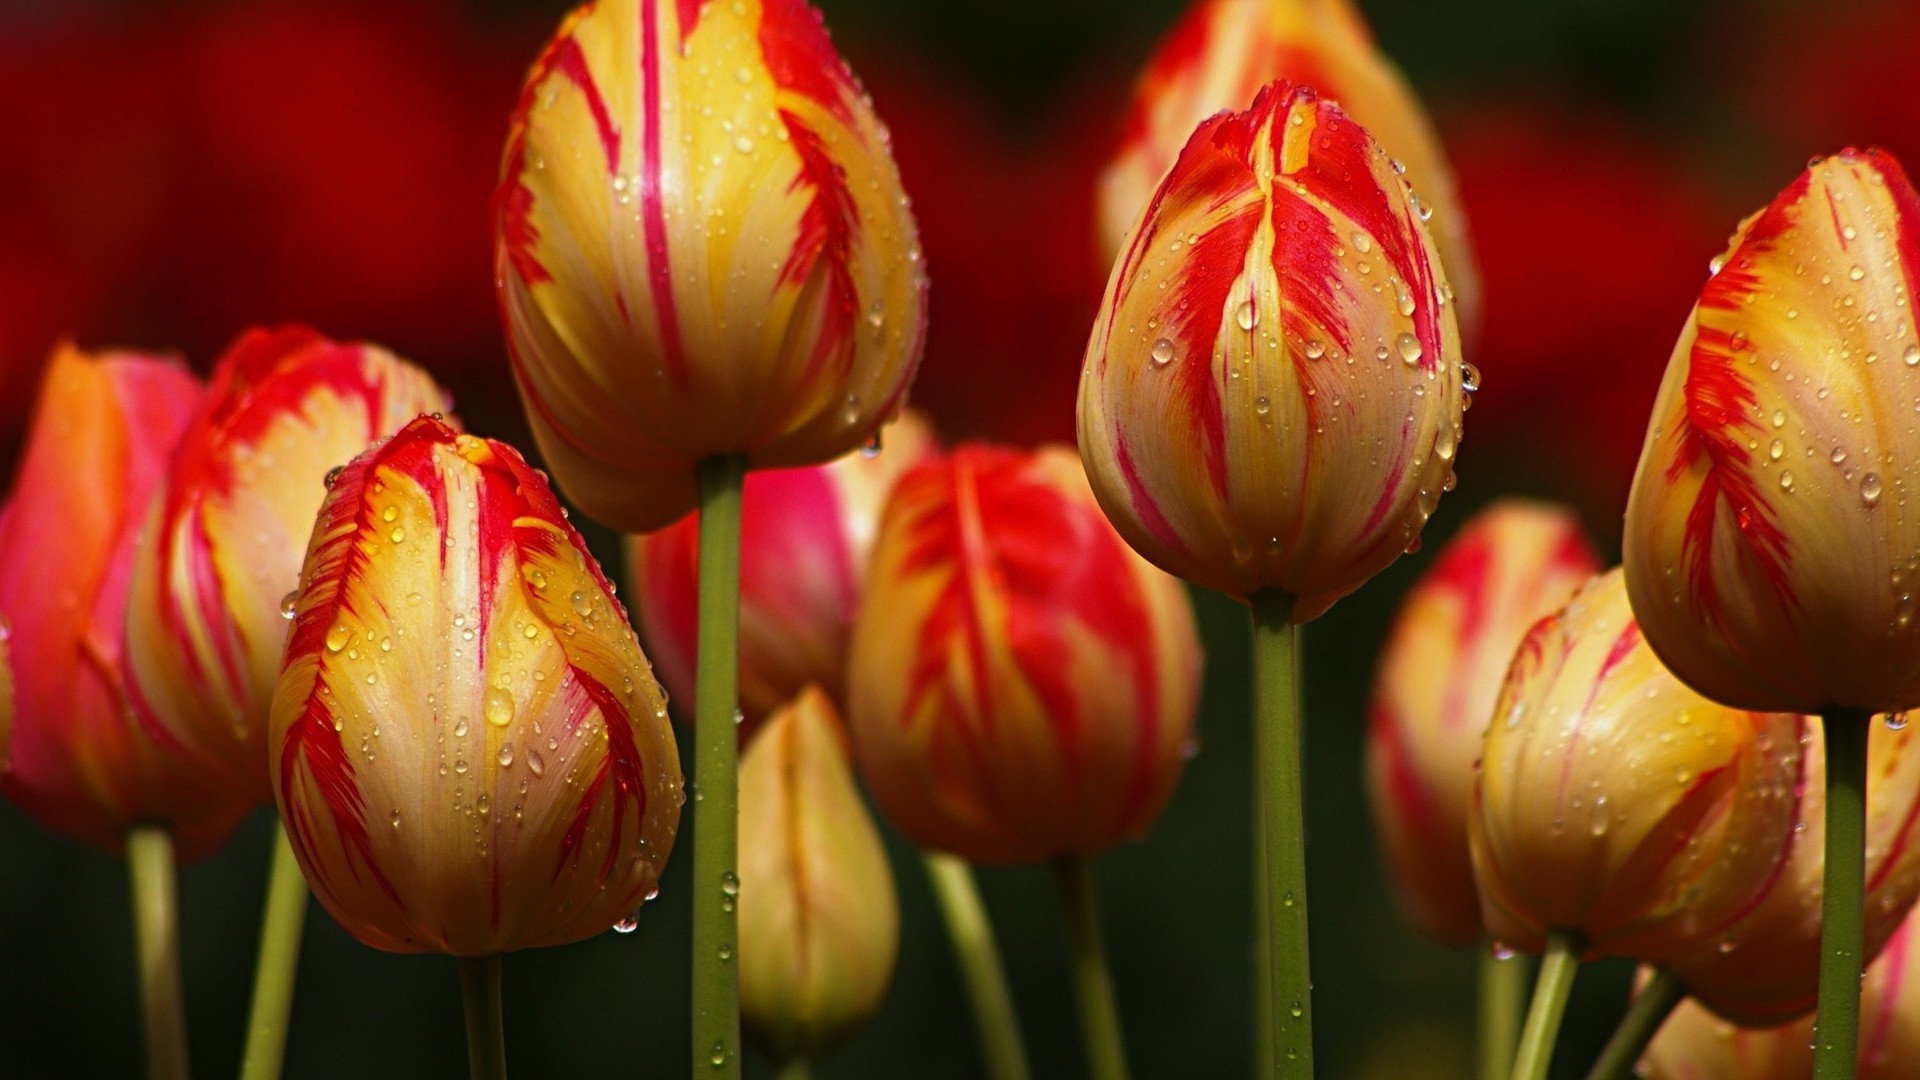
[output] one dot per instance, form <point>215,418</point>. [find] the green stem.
<point>1099,1015</point>
<point>1001,1047</point>
<point>277,964</point>
<point>797,1069</point>
<point>1277,735</point>
<point>1550,994</point>
<point>1836,1042</point>
<point>1262,938</point>
<point>1503,997</point>
<point>486,1034</point>
<point>716,765</point>
<point>156,931</point>
<point>1650,1008</point>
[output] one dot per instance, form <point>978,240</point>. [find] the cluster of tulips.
<point>303,582</point>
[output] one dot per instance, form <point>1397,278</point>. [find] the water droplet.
<point>1856,273</point>
<point>499,707</point>
<point>398,534</point>
<point>1296,1011</point>
<point>333,476</point>
<point>1777,449</point>
<point>338,637</point>
<point>743,144</point>
<point>1362,243</point>
<point>1246,316</point>
<point>1779,418</point>
<point>1786,480</point>
<point>389,513</point>
<point>506,755</point>
<point>460,728</point>
<point>1262,406</point>
<point>628,923</point>
<point>1162,352</point>
<point>1911,355</point>
<point>877,314</point>
<point>289,603</point>
<point>536,764</point>
<point>719,1055</point>
<point>726,953</point>
<point>1502,951</point>
<point>1409,347</point>
<point>1315,350</point>
<point>729,883</point>
<point>396,819</point>
<point>1469,378</point>
<point>1870,488</point>
<point>1839,455</point>
<point>582,606</point>
<point>871,448</point>
<point>1895,721</point>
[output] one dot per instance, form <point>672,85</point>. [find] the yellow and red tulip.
<point>101,435</point>
<point>467,748</point>
<point>805,537</point>
<point>206,619</point>
<point>1772,529</point>
<point>819,923</point>
<point>1272,395</point>
<point>1219,56</point>
<point>1439,676</point>
<point>702,247</point>
<point>1615,803</point>
<point>1022,686</point>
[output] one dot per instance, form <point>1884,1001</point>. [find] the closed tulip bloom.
<point>101,434</point>
<point>1615,803</point>
<point>206,622</point>
<point>1439,675</point>
<point>1773,537</point>
<point>467,747</point>
<point>1272,394</point>
<point>702,248</point>
<point>819,924</point>
<point>1022,687</point>
<point>805,536</point>
<point>1219,56</point>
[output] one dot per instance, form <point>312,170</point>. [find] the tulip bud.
<point>1513,564</point>
<point>1616,803</point>
<point>1220,55</point>
<point>819,925</point>
<point>1272,394</point>
<point>1022,686</point>
<point>95,454</point>
<point>468,749</point>
<point>1771,531</point>
<point>805,536</point>
<point>207,612</point>
<point>701,247</point>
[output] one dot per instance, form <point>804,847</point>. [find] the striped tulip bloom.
<point>1219,56</point>
<point>1022,686</point>
<point>1765,969</point>
<point>819,922</point>
<point>1616,803</point>
<point>1439,675</point>
<point>467,747</point>
<point>221,551</point>
<point>805,536</point>
<point>702,247</point>
<point>94,457</point>
<point>1773,534</point>
<point>1272,395</point>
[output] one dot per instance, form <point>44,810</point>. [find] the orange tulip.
<point>101,435</point>
<point>467,748</point>
<point>1615,803</point>
<point>1222,53</point>
<point>1441,671</point>
<point>1272,394</point>
<point>1022,686</point>
<point>702,248</point>
<point>221,551</point>
<point>805,536</point>
<point>1771,533</point>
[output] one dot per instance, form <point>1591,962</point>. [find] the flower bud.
<point>1513,564</point>
<point>819,924</point>
<point>209,602</point>
<point>805,536</point>
<point>701,247</point>
<point>1771,531</point>
<point>1022,686</point>
<point>1220,55</point>
<point>95,454</point>
<point>1272,394</point>
<point>469,752</point>
<point>1616,803</point>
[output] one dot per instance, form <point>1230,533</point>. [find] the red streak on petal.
<point>568,60</point>
<point>1200,295</point>
<point>653,214</point>
<point>622,766</point>
<point>1310,275</point>
<point>1413,803</point>
<point>801,57</point>
<point>825,237</point>
<point>1887,1006</point>
<point>1623,646</point>
<point>1144,506</point>
<point>1462,572</point>
<point>689,12</point>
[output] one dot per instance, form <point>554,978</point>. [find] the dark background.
<point>170,172</point>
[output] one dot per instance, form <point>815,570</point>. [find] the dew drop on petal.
<point>499,707</point>
<point>1162,352</point>
<point>1871,488</point>
<point>1409,347</point>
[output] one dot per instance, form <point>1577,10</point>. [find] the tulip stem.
<point>1503,998</point>
<point>486,1033</point>
<point>1842,902</point>
<point>1550,993</point>
<point>1001,1047</point>
<point>1650,1008</point>
<point>1277,738</point>
<point>156,931</point>
<point>278,963</point>
<point>1100,1029</point>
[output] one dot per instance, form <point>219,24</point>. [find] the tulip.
<point>702,248</point>
<point>819,925</point>
<point>805,537</point>
<point>1223,51</point>
<point>1439,675</point>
